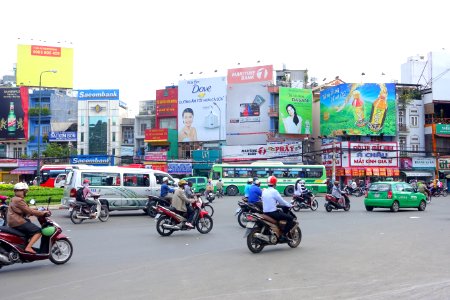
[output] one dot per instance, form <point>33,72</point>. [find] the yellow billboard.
<point>32,60</point>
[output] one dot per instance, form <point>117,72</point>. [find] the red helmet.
<point>272,180</point>
<point>86,181</point>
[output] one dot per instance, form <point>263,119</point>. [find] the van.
<point>123,188</point>
<point>198,183</point>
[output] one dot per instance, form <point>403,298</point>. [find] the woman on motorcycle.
<point>18,213</point>
<point>181,203</point>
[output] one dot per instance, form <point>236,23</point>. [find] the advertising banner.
<point>62,136</point>
<point>295,108</point>
<point>13,113</point>
<point>180,168</point>
<point>327,155</point>
<point>358,109</point>
<point>96,160</point>
<point>32,60</point>
<point>424,162</point>
<point>126,151</point>
<point>406,163</point>
<point>98,95</point>
<point>156,135</point>
<point>155,156</point>
<point>373,154</point>
<point>443,129</point>
<point>201,109</point>
<point>248,106</point>
<point>167,102</point>
<point>444,163</point>
<point>288,152</point>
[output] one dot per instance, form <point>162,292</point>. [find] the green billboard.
<point>295,111</point>
<point>358,109</point>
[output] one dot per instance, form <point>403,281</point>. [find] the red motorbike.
<point>3,210</point>
<point>169,221</point>
<point>333,203</point>
<point>55,246</point>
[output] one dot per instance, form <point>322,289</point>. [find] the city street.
<point>343,255</point>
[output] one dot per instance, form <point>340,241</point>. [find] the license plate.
<point>238,210</point>
<point>247,232</point>
<point>157,216</point>
<point>70,209</point>
<point>376,195</point>
<point>250,225</point>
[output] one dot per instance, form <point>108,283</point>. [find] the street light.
<point>39,127</point>
<point>220,121</point>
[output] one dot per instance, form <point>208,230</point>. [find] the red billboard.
<point>167,102</point>
<point>156,135</point>
<point>13,113</point>
<point>253,74</point>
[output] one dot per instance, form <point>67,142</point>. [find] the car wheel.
<point>369,208</point>
<point>395,206</point>
<point>422,205</point>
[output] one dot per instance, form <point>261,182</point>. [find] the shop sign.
<point>443,129</point>
<point>156,135</point>
<point>444,163</point>
<point>155,156</point>
<point>374,154</point>
<point>424,162</point>
<point>327,155</point>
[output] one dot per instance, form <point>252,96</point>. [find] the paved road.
<point>343,255</point>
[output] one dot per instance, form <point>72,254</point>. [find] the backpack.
<point>79,195</point>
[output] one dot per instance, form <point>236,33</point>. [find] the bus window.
<point>135,179</point>
<point>314,173</point>
<point>216,175</point>
<point>261,173</point>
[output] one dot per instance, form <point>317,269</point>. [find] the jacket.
<point>179,200</point>
<point>18,210</point>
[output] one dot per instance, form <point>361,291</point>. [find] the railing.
<point>403,128</point>
<point>437,120</point>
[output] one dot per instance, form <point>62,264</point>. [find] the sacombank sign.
<point>98,94</point>
<point>253,74</point>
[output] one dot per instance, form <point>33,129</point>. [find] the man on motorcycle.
<point>336,193</point>
<point>219,186</point>
<point>87,193</point>
<point>300,189</point>
<point>18,213</point>
<point>270,198</point>
<point>209,187</point>
<point>254,194</point>
<point>182,204</point>
<point>247,187</point>
<point>188,190</point>
<point>165,190</point>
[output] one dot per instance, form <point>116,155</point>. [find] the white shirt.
<point>290,127</point>
<point>270,197</point>
<point>300,189</point>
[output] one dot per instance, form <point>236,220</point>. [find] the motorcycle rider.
<point>165,190</point>
<point>247,187</point>
<point>209,187</point>
<point>219,186</point>
<point>254,194</point>
<point>270,197</point>
<point>300,189</point>
<point>87,193</point>
<point>337,193</point>
<point>354,186</point>
<point>188,190</point>
<point>18,213</point>
<point>182,204</point>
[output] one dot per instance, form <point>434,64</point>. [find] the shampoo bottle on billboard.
<point>379,109</point>
<point>12,121</point>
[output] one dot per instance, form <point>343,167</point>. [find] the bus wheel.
<point>232,190</point>
<point>289,191</point>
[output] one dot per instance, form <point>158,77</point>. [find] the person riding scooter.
<point>254,194</point>
<point>300,190</point>
<point>182,204</point>
<point>337,192</point>
<point>18,214</point>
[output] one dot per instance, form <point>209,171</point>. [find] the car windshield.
<point>380,187</point>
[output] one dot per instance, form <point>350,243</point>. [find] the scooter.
<point>79,211</point>
<point>55,246</point>
<point>332,203</point>
<point>358,192</point>
<point>210,196</point>
<point>263,230</point>
<point>243,210</point>
<point>305,201</point>
<point>153,202</point>
<point>169,221</point>
<point>3,210</point>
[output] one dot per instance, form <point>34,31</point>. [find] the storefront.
<point>417,168</point>
<point>444,170</point>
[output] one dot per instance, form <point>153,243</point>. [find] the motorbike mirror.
<point>32,201</point>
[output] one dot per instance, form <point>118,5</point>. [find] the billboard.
<point>248,105</point>
<point>201,109</point>
<point>62,136</point>
<point>98,95</point>
<point>32,60</point>
<point>166,102</point>
<point>373,154</point>
<point>13,113</point>
<point>295,111</point>
<point>358,109</point>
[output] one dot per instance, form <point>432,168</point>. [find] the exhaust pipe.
<point>262,237</point>
<point>4,259</point>
<point>168,226</point>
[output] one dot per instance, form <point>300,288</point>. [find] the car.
<point>394,195</point>
<point>198,183</point>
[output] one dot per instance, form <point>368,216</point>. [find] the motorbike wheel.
<point>295,206</point>
<point>296,237</point>
<point>242,219</point>
<point>205,224</point>
<point>328,208</point>
<point>347,206</point>
<point>444,193</point>
<point>74,218</point>
<point>314,205</point>
<point>209,209</point>
<point>255,245</point>
<point>61,252</point>
<point>159,226</point>
<point>150,211</point>
<point>104,214</point>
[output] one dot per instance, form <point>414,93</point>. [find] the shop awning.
<point>418,173</point>
<point>24,170</point>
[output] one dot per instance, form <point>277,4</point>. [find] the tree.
<point>56,150</point>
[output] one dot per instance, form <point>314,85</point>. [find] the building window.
<point>414,121</point>
<point>82,137</point>
<point>402,142</point>
<point>114,121</point>
<point>143,128</point>
<point>82,120</point>
<point>415,147</point>
<point>17,152</point>
<point>81,151</point>
<point>401,120</point>
<point>114,152</point>
<point>170,123</point>
<point>113,136</point>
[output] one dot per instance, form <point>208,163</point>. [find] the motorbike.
<point>440,192</point>
<point>358,192</point>
<point>210,196</point>
<point>243,210</point>
<point>263,230</point>
<point>305,201</point>
<point>3,210</point>
<point>153,202</point>
<point>54,246</point>
<point>79,211</point>
<point>168,220</point>
<point>332,203</point>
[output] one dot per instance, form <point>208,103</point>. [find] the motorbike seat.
<point>268,219</point>
<point>80,203</point>
<point>7,229</point>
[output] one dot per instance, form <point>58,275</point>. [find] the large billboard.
<point>166,102</point>
<point>358,109</point>
<point>201,109</point>
<point>295,111</point>
<point>13,113</point>
<point>32,60</point>
<point>248,105</point>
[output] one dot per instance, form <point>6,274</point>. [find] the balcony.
<point>402,128</point>
<point>437,120</point>
<point>273,111</point>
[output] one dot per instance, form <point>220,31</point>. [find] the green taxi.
<point>198,183</point>
<point>394,195</point>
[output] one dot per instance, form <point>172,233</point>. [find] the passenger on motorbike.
<point>165,190</point>
<point>336,193</point>
<point>87,193</point>
<point>18,213</point>
<point>182,204</point>
<point>209,187</point>
<point>254,194</point>
<point>422,188</point>
<point>188,190</point>
<point>247,187</point>
<point>300,188</point>
<point>270,197</point>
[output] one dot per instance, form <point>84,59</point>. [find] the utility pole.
<point>333,174</point>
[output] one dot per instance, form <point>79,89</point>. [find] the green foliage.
<point>40,194</point>
<point>34,111</point>
<point>56,150</point>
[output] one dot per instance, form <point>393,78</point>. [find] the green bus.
<point>235,176</point>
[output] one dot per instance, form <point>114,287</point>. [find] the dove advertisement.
<point>201,109</point>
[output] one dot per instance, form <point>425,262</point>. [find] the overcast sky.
<point>141,46</point>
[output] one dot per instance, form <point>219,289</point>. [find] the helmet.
<point>272,180</point>
<point>302,181</point>
<point>86,181</point>
<point>250,180</point>
<point>336,182</point>
<point>48,231</point>
<point>256,182</point>
<point>165,179</point>
<point>220,179</point>
<point>181,182</point>
<point>20,186</point>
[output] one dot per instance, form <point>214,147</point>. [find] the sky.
<point>141,46</point>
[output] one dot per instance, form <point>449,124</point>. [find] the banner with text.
<point>13,113</point>
<point>373,154</point>
<point>167,102</point>
<point>283,152</point>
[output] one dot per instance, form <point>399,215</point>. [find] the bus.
<point>235,176</point>
<point>49,173</point>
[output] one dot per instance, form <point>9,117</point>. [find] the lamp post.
<point>220,121</point>
<point>39,127</point>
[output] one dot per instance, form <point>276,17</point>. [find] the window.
<point>113,152</point>
<point>401,121</point>
<point>101,178</point>
<point>399,187</point>
<point>159,178</point>
<point>216,175</point>
<point>414,121</point>
<point>170,123</point>
<point>17,152</point>
<point>414,111</point>
<point>143,128</point>
<point>113,136</point>
<point>201,180</point>
<point>82,137</point>
<point>140,180</point>
<point>415,147</point>
<point>82,120</point>
<point>114,121</point>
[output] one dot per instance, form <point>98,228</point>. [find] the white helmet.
<point>302,181</point>
<point>20,186</point>
<point>250,180</point>
<point>165,179</point>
